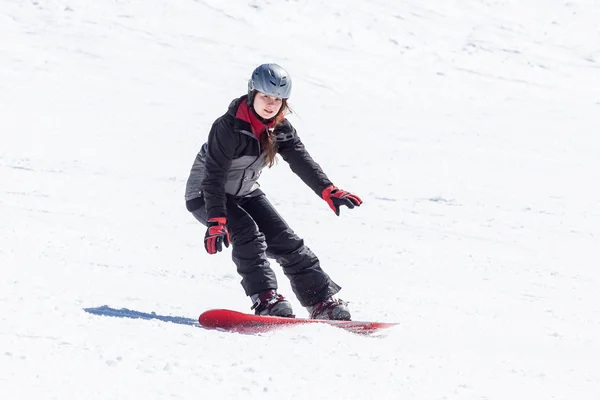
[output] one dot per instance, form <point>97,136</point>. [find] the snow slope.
<point>469,128</point>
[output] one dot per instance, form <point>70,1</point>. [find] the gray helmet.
<point>270,79</point>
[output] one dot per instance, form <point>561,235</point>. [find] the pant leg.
<point>308,280</point>
<point>248,248</point>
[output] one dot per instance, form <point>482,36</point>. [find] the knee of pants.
<point>284,243</point>
<point>246,236</point>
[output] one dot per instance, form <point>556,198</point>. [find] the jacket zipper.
<point>254,162</point>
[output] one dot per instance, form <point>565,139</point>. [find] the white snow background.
<point>469,128</point>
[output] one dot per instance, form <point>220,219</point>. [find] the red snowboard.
<point>233,321</point>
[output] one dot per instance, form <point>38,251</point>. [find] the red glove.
<point>216,235</point>
<point>337,197</point>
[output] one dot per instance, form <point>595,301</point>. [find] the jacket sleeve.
<point>222,142</point>
<point>295,154</point>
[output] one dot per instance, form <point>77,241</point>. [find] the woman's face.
<point>266,106</point>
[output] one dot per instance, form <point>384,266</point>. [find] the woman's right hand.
<point>216,235</point>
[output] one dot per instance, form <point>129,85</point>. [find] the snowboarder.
<point>222,193</point>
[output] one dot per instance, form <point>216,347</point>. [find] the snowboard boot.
<point>330,308</point>
<point>271,303</point>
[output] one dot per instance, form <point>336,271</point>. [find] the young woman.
<point>223,194</point>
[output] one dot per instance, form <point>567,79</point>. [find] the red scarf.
<point>245,114</point>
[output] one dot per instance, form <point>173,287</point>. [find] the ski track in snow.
<point>469,129</point>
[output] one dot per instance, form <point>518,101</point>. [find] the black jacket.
<point>230,162</point>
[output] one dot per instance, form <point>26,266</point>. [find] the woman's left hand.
<point>337,197</point>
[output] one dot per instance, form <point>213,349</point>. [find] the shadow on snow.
<point>107,311</point>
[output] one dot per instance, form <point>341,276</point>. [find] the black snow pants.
<point>258,232</point>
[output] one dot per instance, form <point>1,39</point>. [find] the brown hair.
<point>268,142</point>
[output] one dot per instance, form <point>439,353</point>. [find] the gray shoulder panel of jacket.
<point>284,132</point>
